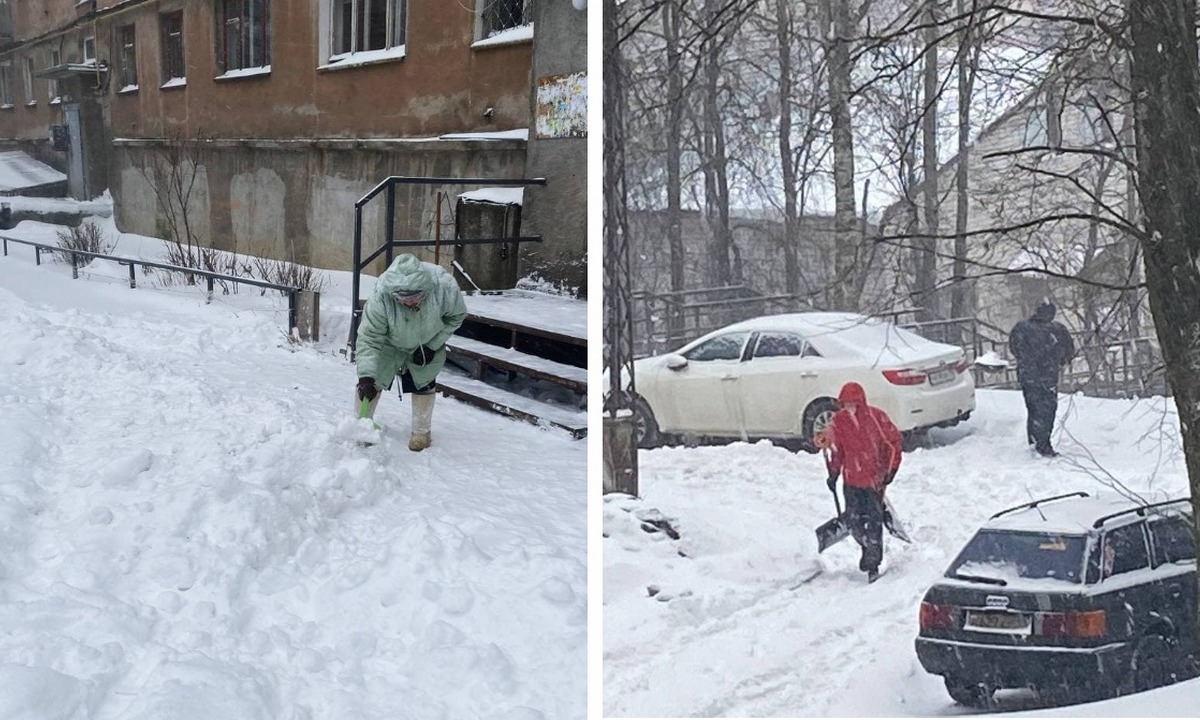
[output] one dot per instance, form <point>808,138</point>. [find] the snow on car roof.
<point>1068,516</point>
<point>849,334</point>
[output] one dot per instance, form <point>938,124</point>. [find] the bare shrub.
<point>282,272</point>
<point>87,236</point>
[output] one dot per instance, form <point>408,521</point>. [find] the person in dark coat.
<point>1041,347</point>
<point>865,450</point>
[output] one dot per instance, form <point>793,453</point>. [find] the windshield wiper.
<point>980,579</point>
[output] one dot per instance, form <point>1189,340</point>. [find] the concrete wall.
<point>558,211</point>
<point>296,202</point>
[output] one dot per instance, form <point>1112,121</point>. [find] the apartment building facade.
<point>272,117</point>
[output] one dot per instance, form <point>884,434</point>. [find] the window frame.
<point>250,56</point>
<point>1160,540</point>
<point>801,341</point>
<point>126,42</point>
<point>344,44</point>
<point>7,101</point>
<point>30,87</point>
<point>689,354</point>
<point>172,51</point>
<point>87,49</point>
<point>1112,572</point>
<point>55,92</point>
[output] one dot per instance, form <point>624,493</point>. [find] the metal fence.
<point>210,277</point>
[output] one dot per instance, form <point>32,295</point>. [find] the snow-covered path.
<point>185,531</point>
<point>727,631</point>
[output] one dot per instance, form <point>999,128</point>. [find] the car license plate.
<point>941,377</point>
<point>998,622</point>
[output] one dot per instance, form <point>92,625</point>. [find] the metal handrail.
<point>390,243</point>
<point>133,263</point>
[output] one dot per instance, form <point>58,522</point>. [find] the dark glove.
<point>831,481</point>
<point>423,355</point>
<point>367,389</point>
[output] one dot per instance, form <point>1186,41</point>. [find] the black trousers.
<point>864,515</point>
<point>1041,404</point>
<point>408,386</point>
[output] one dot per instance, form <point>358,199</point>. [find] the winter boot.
<point>422,421</point>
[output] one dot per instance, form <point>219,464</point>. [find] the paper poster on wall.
<point>562,106</point>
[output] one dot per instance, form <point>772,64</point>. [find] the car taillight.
<point>937,616</point>
<point>961,366</point>
<point>904,377</point>
<point>1090,624</point>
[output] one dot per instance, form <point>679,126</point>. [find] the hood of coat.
<point>852,392</point>
<point>1044,312</point>
<point>406,276</point>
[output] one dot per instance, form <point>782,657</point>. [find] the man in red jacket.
<point>865,451</point>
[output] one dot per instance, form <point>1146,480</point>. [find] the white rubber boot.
<point>422,422</point>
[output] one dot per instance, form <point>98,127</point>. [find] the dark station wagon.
<point>1073,596</point>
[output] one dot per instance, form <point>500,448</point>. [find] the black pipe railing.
<point>388,185</point>
<point>134,263</point>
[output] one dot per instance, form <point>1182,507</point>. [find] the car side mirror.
<point>676,362</point>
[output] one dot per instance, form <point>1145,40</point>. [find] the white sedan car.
<point>778,377</point>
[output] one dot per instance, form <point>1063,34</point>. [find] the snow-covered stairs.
<point>522,354</point>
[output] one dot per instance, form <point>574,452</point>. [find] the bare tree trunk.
<point>716,178</point>
<point>836,14</point>
<point>1166,93</point>
<point>671,25</point>
<point>960,291</point>
<point>926,247</point>
<point>783,32</point>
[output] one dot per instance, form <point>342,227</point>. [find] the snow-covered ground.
<point>730,631</point>
<point>186,532</point>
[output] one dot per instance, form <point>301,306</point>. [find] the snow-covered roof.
<point>1068,516</point>
<point>19,171</point>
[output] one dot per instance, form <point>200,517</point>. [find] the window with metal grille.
<point>243,34</point>
<point>6,89</point>
<point>127,44</point>
<point>361,25</point>
<point>499,15</point>
<point>172,45</point>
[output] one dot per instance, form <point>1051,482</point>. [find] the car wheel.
<point>816,418</point>
<point>914,439</point>
<point>976,695</point>
<point>645,428</point>
<point>1151,666</point>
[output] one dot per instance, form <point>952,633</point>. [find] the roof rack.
<point>1035,503</point>
<point>1140,510</point>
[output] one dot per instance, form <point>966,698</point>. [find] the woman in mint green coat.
<point>415,308</point>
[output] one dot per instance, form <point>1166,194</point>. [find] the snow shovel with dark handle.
<point>835,530</point>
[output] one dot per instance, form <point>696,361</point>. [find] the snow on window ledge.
<point>519,134</point>
<point>245,72</point>
<point>174,83</point>
<point>56,101</point>
<point>366,57</point>
<point>511,36</point>
<point>6,106</point>
<point>31,103</point>
<point>127,89</point>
